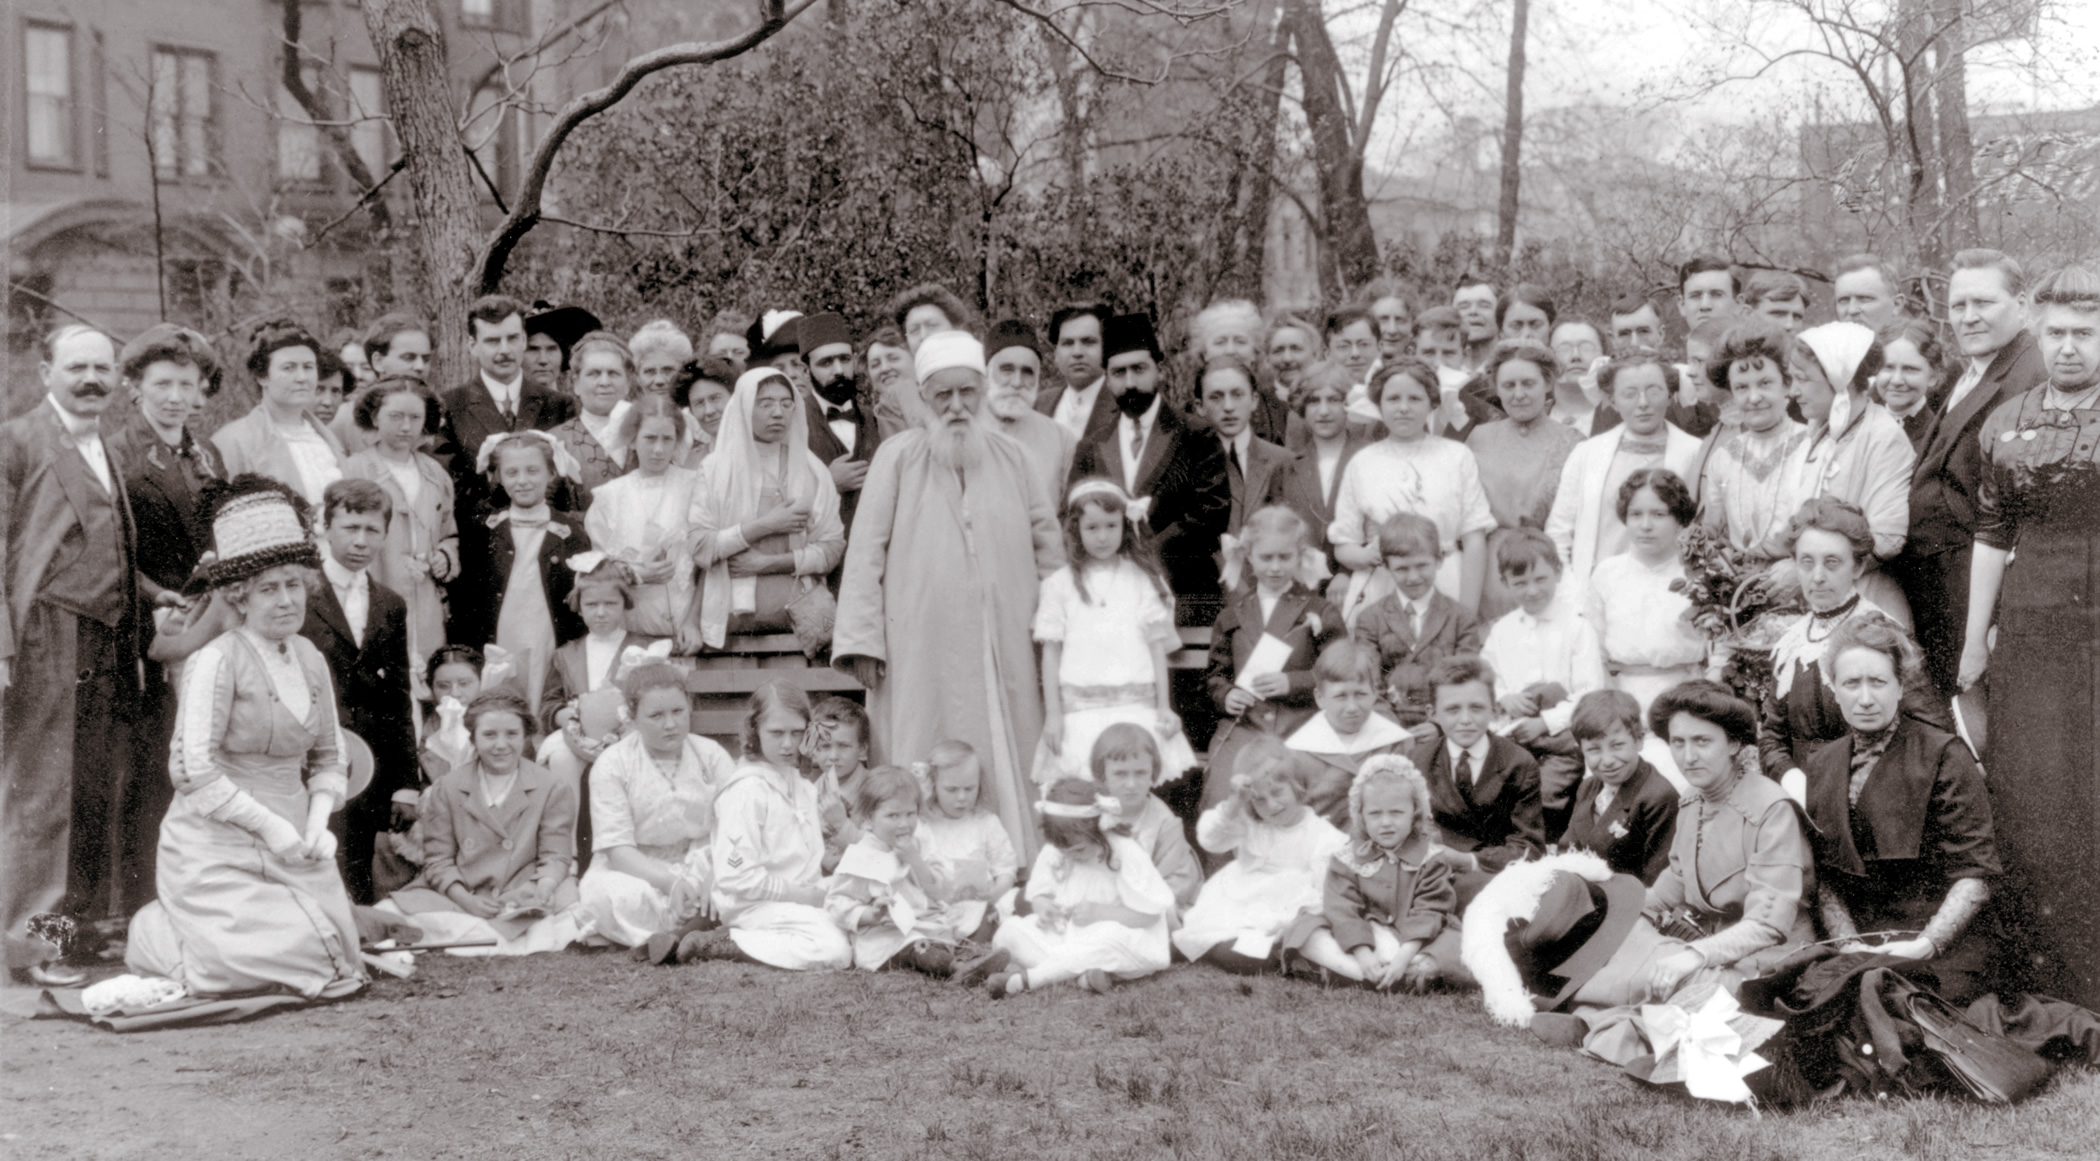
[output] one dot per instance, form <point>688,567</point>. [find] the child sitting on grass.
<point>1125,763</point>
<point>886,895</point>
<point>837,748</point>
<point>1280,851</point>
<point>453,678</point>
<point>960,837</point>
<point>1350,727</point>
<point>1546,657</point>
<point>1098,908</point>
<point>498,841</point>
<point>769,849</point>
<point>1390,912</point>
<point>1416,625</point>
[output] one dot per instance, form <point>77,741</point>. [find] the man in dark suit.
<point>1483,788</point>
<point>842,428</point>
<point>1987,303</point>
<point>1178,471</point>
<point>1084,406</point>
<point>361,627</point>
<point>1226,393</point>
<point>498,400</point>
<point>68,649</point>
<point>171,370</point>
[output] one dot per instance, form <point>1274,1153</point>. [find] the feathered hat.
<point>257,524</point>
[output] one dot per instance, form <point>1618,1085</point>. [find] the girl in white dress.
<point>1098,908</point>
<point>640,520</point>
<point>1638,624</point>
<point>1106,623</point>
<point>1281,849</point>
<point>652,817</point>
<point>1413,471</point>
<point>963,839</point>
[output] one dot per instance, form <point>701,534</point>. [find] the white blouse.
<point>1107,636</point>
<point>1432,477</point>
<point>1637,619</point>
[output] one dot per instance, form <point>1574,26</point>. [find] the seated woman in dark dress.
<point>1625,810</point>
<point>1832,547</point>
<point>1902,829</point>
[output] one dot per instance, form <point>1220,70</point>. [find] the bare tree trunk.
<point>1958,226</point>
<point>415,76</point>
<point>340,141</point>
<point>1350,250</point>
<point>1252,259</point>
<point>1512,138</point>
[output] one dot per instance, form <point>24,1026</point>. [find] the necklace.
<point>1830,620</point>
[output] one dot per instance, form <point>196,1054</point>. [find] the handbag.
<point>1988,1066</point>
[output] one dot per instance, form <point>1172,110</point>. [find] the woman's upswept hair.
<point>1709,701</point>
<point>765,699</point>
<point>649,678</point>
<point>1523,351</point>
<point>1880,635</point>
<point>1829,514</point>
<point>1388,770</point>
<point>1751,340</point>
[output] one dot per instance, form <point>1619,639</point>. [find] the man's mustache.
<point>91,388</point>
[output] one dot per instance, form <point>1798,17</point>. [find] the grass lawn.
<point>593,1056</point>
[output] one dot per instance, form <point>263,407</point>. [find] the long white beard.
<point>1007,406</point>
<point>958,447</point>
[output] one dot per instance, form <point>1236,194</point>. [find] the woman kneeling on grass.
<point>769,849</point>
<point>1099,909</point>
<point>653,814</point>
<point>499,842</point>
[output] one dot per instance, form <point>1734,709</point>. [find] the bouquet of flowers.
<point>1740,605</point>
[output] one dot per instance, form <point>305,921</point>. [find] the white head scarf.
<point>732,478</point>
<point>1840,347</point>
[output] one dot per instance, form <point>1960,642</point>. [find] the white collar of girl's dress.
<point>1318,736</point>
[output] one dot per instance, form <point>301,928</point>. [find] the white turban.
<point>944,350</point>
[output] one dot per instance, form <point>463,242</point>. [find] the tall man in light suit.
<point>68,649</point>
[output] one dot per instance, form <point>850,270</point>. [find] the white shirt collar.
<point>1479,754</point>
<point>340,577</point>
<point>1144,422</point>
<point>80,427</point>
<point>504,393</point>
<point>1242,444</point>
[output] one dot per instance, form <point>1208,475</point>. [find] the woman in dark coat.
<point>1831,546</point>
<point>1902,830</point>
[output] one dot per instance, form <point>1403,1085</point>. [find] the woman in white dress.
<point>1746,485</point>
<point>1856,451</point>
<point>1413,471</point>
<point>1639,624</point>
<point>422,541</point>
<point>640,519</point>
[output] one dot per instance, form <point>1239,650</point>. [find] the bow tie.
<point>849,410</point>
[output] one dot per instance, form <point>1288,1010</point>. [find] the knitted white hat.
<point>257,525</point>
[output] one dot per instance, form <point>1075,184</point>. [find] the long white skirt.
<point>620,908</point>
<point>1246,910</point>
<point>1128,952</point>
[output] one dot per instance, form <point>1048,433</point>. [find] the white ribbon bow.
<point>1704,1049</point>
<point>565,465</point>
<point>635,656</point>
<point>1232,557</point>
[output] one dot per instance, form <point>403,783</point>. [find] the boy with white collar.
<point>1546,657</point>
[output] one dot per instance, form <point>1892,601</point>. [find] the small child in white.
<point>1280,853</point>
<point>1125,762</point>
<point>1099,909</point>
<point>1391,910</point>
<point>960,838</point>
<point>884,894</point>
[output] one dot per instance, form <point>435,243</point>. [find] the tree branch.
<point>522,216</point>
<point>293,77</point>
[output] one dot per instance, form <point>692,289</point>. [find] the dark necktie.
<point>1464,776</point>
<point>1232,454</point>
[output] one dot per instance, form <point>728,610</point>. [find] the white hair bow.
<point>635,656</point>
<point>1101,805</point>
<point>1232,556</point>
<point>565,465</point>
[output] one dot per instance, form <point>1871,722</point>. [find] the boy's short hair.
<point>834,711</point>
<point>1122,742</point>
<point>1775,286</point>
<point>1437,318</point>
<point>1347,660</point>
<point>358,496</point>
<point>607,574</point>
<point>1596,712</point>
<point>884,784</point>
<point>1462,669</point>
<point>1407,534</point>
<point>1524,550</point>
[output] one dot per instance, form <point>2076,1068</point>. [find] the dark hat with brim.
<point>767,346</point>
<point>257,524</point>
<point>1542,930</point>
<point>563,324</point>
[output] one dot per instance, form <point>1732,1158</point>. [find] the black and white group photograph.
<point>1056,580</point>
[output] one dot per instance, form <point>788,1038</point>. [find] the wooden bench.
<point>720,683</point>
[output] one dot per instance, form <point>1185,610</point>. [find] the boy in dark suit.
<point>1625,810</point>
<point>1483,789</point>
<point>1416,626</point>
<point>361,627</point>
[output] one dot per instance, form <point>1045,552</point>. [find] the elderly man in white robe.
<point>954,533</point>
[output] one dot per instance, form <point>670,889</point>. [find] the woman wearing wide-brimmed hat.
<point>250,897</point>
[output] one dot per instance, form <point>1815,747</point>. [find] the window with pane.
<point>298,140</point>
<point>373,134</point>
<point>47,75</point>
<point>183,130</point>
<point>477,13</point>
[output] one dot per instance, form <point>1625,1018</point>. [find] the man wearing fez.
<point>1178,474</point>
<point>953,537</point>
<point>842,428</point>
<point>1012,383</point>
<point>68,649</point>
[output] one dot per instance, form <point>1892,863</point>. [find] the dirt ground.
<point>592,1056</point>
